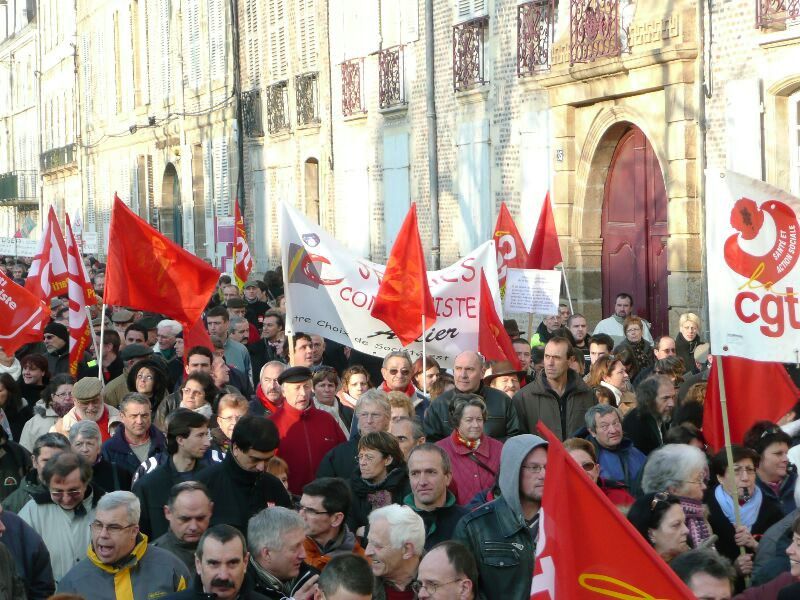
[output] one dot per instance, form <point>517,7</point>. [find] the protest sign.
<point>532,291</point>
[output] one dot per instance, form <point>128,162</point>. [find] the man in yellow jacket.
<point>121,565</point>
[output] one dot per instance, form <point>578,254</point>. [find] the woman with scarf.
<point>56,402</point>
<point>634,342</point>
<point>355,381</point>
<point>380,478</point>
<point>687,340</point>
<point>757,512</point>
<point>681,470</point>
<point>474,456</point>
<point>610,373</point>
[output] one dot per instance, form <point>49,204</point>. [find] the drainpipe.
<point>701,151</point>
<point>237,89</point>
<point>433,156</point>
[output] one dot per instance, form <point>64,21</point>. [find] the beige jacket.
<point>65,423</point>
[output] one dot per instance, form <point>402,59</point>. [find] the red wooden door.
<point>634,230</point>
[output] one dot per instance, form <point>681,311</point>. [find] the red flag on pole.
<point>242,261</point>
<point>145,270</point>
<point>493,340</point>
<point>545,253</point>
<point>195,335</point>
<point>23,316</point>
<point>47,276</point>
<point>403,296</point>
<point>511,252</point>
<point>744,383</point>
<point>78,282</point>
<point>573,560</point>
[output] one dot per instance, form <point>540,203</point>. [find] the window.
<point>594,30</point>
<point>777,13</point>
<point>469,39</point>
<point>794,143</point>
<point>534,32</point>
<point>353,87</point>
<point>278,107</point>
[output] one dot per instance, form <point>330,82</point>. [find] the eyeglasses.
<point>606,426</point>
<point>233,418</point>
<point>429,587</point>
<point>144,378</point>
<point>588,465</point>
<point>63,395</point>
<point>658,497</point>
<point>112,529</point>
<point>748,470</point>
<point>366,458</point>
<point>313,511</point>
<point>61,493</point>
<point>535,469</point>
<point>370,416</point>
<point>192,393</point>
<point>403,372</point>
<point>702,481</point>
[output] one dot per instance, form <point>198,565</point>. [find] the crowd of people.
<point>298,468</point>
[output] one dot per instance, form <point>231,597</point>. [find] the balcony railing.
<point>57,158</point>
<point>307,96</point>
<point>352,87</point>
<point>468,53</point>
<point>534,32</point>
<point>775,13</point>
<point>390,75</point>
<point>19,187</point>
<point>594,30</point>
<point>278,107</point>
<point>251,114</point>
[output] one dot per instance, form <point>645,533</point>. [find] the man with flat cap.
<point>306,432</point>
<point>89,406</point>
<point>130,355</point>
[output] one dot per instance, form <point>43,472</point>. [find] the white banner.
<point>330,291</point>
<point>753,279</point>
<point>532,291</point>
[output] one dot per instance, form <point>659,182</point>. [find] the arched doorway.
<point>170,219</point>
<point>634,230</point>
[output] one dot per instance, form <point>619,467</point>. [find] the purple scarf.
<point>695,520</point>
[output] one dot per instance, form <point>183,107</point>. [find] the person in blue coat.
<point>31,557</point>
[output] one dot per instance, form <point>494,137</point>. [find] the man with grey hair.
<point>44,448</point>
<point>167,332</point>
<point>275,539</point>
<point>395,543</point>
<point>120,562</point>
<point>269,395</point>
<point>618,458</point>
<point>409,433</point>
<point>396,372</point>
<point>502,422</point>
<point>373,414</point>
<point>239,329</point>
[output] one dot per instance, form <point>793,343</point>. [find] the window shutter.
<point>473,184</point>
<point>145,51</point>
<point>307,34</point>
<point>277,40</point>
<point>743,126</point>
<point>396,190</point>
<point>469,9</point>
<point>217,39</point>
<point>253,42</point>
<point>391,23</point>
<point>165,30</point>
<point>192,36</point>
<point>221,177</point>
<point>409,20</point>
<point>91,224</point>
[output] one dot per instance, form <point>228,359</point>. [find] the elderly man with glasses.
<point>61,515</point>
<point>89,406</point>
<point>120,563</point>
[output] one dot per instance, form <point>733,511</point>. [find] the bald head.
<point>468,371</point>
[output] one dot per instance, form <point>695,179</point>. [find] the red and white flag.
<point>752,249</point>
<point>511,252</point>
<point>80,336</point>
<point>23,316</point>
<point>47,276</point>
<point>242,261</point>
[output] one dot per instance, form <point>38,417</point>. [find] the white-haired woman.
<point>681,470</point>
<point>687,340</point>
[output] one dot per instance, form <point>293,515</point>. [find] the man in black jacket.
<point>240,486</point>
<point>31,557</point>
<point>187,443</point>
<point>502,421</point>
<point>188,511</point>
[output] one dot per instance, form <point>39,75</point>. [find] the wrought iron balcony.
<point>534,32</point>
<point>390,77</point>
<point>278,107</point>
<point>57,158</point>
<point>251,114</point>
<point>775,13</point>
<point>307,91</point>
<point>353,87</point>
<point>594,30</point>
<point>468,53</point>
<point>19,188</point>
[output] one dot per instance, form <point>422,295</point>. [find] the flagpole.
<point>424,361</point>
<point>99,352</point>
<point>726,431</point>
<point>529,333</point>
<point>290,349</point>
<point>94,339</point>
<point>566,285</point>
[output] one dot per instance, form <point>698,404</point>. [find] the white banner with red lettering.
<point>330,291</point>
<point>753,279</point>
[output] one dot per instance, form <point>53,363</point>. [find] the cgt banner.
<point>754,282</point>
<point>330,292</point>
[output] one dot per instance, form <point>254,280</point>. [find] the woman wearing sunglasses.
<point>583,452</point>
<point>660,520</point>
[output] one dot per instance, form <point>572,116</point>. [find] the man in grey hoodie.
<point>504,532</point>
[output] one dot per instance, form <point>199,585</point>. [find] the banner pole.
<point>99,351</point>
<point>726,431</point>
<point>290,349</point>
<point>424,367</point>
<point>529,332</point>
<point>94,338</point>
<point>566,285</point>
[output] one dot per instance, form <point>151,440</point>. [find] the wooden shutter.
<point>469,9</point>
<point>191,36</point>
<point>535,168</point>
<point>277,40</point>
<point>222,177</point>
<point>473,184</point>
<point>743,126</point>
<point>217,37</point>
<point>391,26</point>
<point>165,44</point>
<point>253,41</point>
<point>307,34</point>
<point>409,20</point>
<point>396,184</point>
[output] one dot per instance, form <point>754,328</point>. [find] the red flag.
<point>511,252</point>
<point>545,253</point>
<point>573,560</point>
<point>23,316</point>
<point>195,335</point>
<point>404,296</point>
<point>744,390</point>
<point>47,276</point>
<point>145,270</point>
<point>78,282</point>
<point>493,340</point>
<point>242,261</point>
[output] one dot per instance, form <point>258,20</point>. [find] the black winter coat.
<point>502,420</point>
<point>367,497</point>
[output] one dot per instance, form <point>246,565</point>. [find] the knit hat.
<point>58,330</point>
